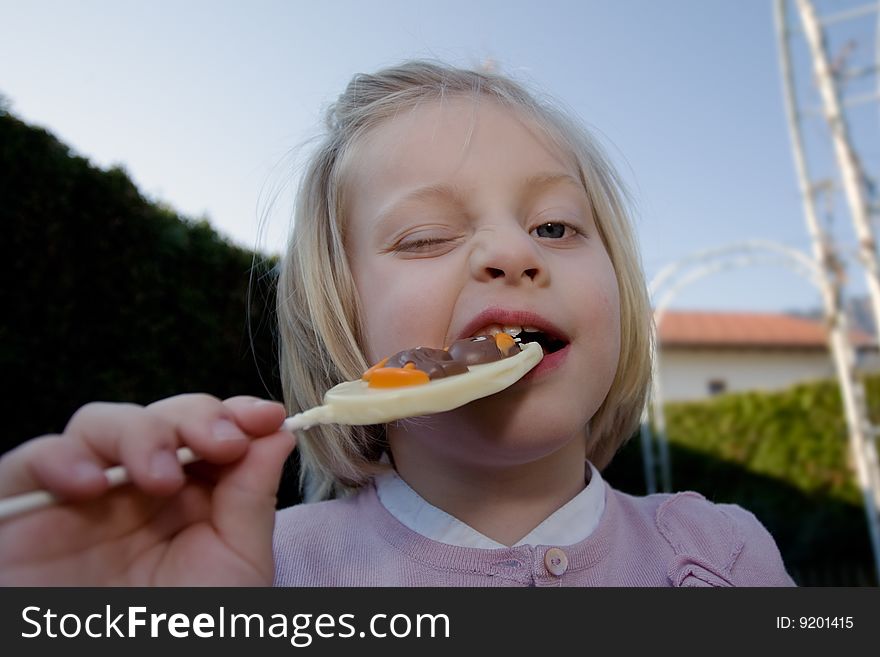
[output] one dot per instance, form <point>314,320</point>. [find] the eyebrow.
<point>541,180</point>
<point>455,194</point>
<point>441,191</point>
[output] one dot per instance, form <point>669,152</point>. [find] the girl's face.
<point>460,216</point>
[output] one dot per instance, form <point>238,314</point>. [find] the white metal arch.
<point>685,272</point>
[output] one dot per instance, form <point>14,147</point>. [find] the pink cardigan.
<point>658,540</point>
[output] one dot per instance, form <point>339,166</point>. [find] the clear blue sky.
<point>200,101</point>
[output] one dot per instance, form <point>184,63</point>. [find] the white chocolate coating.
<point>354,402</point>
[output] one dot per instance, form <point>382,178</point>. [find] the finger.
<point>245,497</point>
<point>206,425</point>
<point>66,468</point>
<point>143,443</point>
<point>243,493</point>
<point>257,417</point>
<point>219,432</point>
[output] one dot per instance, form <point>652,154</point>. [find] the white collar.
<point>571,523</point>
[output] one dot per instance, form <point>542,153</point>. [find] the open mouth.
<point>550,343</point>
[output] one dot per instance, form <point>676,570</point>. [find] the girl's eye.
<point>552,229</point>
<point>420,244</point>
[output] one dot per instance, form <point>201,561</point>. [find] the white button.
<point>556,561</point>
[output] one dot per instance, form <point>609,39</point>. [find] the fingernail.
<point>224,430</point>
<point>265,402</point>
<point>164,465</point>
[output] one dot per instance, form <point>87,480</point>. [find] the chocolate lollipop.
<point>383,394</point>
<point>386,393</point>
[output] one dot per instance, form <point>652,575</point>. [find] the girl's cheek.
<point>401,315</point>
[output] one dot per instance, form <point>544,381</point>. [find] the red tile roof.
<point>740,329</point>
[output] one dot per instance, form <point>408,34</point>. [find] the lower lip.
<point>549,363</point>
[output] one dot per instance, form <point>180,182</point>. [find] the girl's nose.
<point>509,255</point>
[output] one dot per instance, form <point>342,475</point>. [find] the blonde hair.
<point>319,329</point>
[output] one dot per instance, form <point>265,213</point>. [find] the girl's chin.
<point>496,421</point>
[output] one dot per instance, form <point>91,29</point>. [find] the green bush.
<point>798,436</point>
<point>108,296</point>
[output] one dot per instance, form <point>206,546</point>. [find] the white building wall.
<point>686,374</point>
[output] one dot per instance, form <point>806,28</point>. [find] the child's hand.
<point>212,526</point>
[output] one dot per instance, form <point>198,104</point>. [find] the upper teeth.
<point>512,331</point>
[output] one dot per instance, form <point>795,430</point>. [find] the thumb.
<point>243,509</point>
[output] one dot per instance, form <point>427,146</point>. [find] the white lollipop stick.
<point>116,476</point>
<point>354,402</point>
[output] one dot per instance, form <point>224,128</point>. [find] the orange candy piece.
<point>505,343</point>
<point>397,377</point>
<point>379,376</point>
<point>366,376</point>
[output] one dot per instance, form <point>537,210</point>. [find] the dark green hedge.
<point>798,436</point>
<point>107,296</point>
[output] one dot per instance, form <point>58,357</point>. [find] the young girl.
<point>442,204</point>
